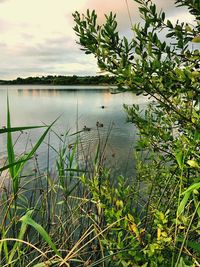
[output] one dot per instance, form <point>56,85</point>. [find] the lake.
<point>93,108</point>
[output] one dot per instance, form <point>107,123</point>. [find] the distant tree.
<point>63,80</point>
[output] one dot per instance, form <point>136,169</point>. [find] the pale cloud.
<point>37,37</point>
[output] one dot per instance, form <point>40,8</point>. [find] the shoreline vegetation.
<point>62,80</point>
<point>75,213</point>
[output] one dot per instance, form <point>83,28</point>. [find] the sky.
<point>37,37</point>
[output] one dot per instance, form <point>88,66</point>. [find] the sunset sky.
<point>36,36</point>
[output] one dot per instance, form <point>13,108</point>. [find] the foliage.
<point>169,130</point>
<point>63,80</point>
<point>42,223</point>
<point>79,215</point>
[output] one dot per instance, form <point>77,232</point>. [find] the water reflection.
<point>56,92</point>
<point>78,107</point>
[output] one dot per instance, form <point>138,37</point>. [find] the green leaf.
<point>183,203</point>
<point>170,34</point>
<point>182,263</point>
<point>126,44</point>
<point>163,16</point>
<point>26,219</point>
<point>191,244</point>
<point>144,55</point>
<point>169,24</point>
<point>194,245</point>
<point>196,203</point>
<point>138,51</point>
<point>191,188</point>
<point>179,158</point>
<point>20,237</point>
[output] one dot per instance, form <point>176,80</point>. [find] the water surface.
<point>77,107</point>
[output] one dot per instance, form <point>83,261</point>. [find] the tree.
<point>168,71</point>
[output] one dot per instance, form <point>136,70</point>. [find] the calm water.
<point>77,106</point>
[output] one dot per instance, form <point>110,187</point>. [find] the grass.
<point>45,199</point>
<point>79,215</point>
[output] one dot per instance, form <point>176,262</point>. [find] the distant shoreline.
<point>103,80</point>
<point>39,84</point>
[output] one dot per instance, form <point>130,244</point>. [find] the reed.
<point>80,215</point>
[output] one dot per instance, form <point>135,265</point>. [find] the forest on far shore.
<point>63,80</point>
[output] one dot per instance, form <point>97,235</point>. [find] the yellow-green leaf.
<point>193,163</point>
<point>196,39</point>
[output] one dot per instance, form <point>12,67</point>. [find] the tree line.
<point>63,80</point>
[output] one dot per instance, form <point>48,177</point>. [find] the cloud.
<point>123,10</point>
<point>3,45</point>
<point>52,50</point>
<point>37,36</point>
<point>51,56</point>
<point>119,8</point>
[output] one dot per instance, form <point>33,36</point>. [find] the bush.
<point>168,150</point>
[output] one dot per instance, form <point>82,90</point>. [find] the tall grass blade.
<point>15,167</point>
<point>13,164</point>
<point>25,158</point>
<point>196,203</point>
<point>191,244</point>
<point>10,149</point>
<point>26,219</point>
<point>20,237</point>
<point>97,154</point>
<point>32,152</point>
<point>71,156</point>
<point>4,245</point>
<point>18,129</point>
